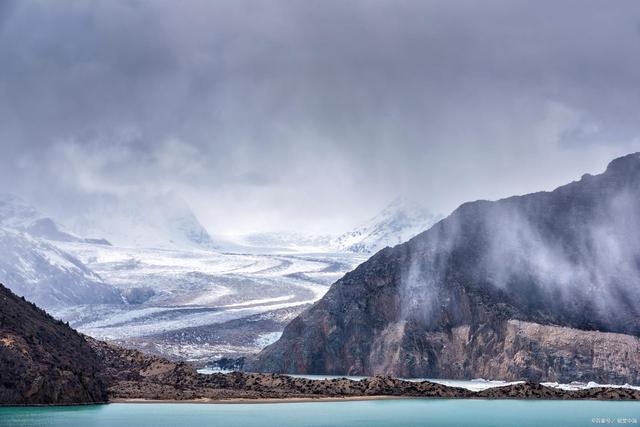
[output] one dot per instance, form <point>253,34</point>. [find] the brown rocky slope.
<point>42,360</point>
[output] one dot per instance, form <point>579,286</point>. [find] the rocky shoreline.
<point>134,376</point>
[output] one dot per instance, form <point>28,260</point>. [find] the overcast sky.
<point>311,115</point>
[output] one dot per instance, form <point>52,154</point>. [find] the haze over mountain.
<point>18,215</point>
<point>399,221</point>
<point>140,220</point>
<point>38,269</point>
<point>162,275</point>
<point>541,286</point>
<point>49,276</point>
<point>309,117</point>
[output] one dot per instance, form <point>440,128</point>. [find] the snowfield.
<point>194,292</point>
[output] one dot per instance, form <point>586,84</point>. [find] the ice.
<point>581,386</point>
<point>267,339</point>
<point>199,288</point>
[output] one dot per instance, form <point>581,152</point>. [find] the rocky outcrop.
<point>42,360</point>
<point>539,287</point>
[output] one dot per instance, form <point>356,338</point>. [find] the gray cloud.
<point>313,114</point>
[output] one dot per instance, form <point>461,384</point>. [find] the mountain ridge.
<point>562,258</point>
<point>398,221</point>
<point>141,220</point>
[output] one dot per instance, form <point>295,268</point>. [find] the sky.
<point>312,115</point>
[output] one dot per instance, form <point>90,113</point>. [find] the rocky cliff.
<point>42,360</point>
<point>542,287</point>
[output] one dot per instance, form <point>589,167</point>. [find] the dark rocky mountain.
<point>543,286</point>
<point>42,360</point>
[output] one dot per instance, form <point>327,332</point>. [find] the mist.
<point>573,251</point>
<point>311,116</point>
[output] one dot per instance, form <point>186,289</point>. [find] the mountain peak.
<point>141,220</point>
<point>17,214</point>
<point>625,164</point>
<point>400,220</point>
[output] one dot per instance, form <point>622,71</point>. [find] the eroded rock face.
<point>513,350</point>
<point>42,360</point>
<point>479,293</point>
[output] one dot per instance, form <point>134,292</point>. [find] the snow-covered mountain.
<point>396,223</point>
<point>285,241</point>
<point>48,276</point>
<point>32,266</point>
<point>16,214</point>
<point>141,221</point>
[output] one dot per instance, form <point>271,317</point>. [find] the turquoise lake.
<point>411,412</point>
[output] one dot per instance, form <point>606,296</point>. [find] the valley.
<point>164,285</point>
<point>200,305</point>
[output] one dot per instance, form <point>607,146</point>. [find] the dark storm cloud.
<point>313,113</point>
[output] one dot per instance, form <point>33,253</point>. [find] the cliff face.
<point>541,286</point>
<point>43,361</point>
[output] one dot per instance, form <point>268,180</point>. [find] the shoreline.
<point>268,400</point>
<point>272,400</point>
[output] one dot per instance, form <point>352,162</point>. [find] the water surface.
<point>410,412</point>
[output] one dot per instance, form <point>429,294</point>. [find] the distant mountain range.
<point>542,287</point>
<point>286,240</point>
<point>167,222</point>
<point>37,268</point>
<point>47,275</point>
<point>158,221</point>
<point>18,215</point>
<point>396,223</point>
